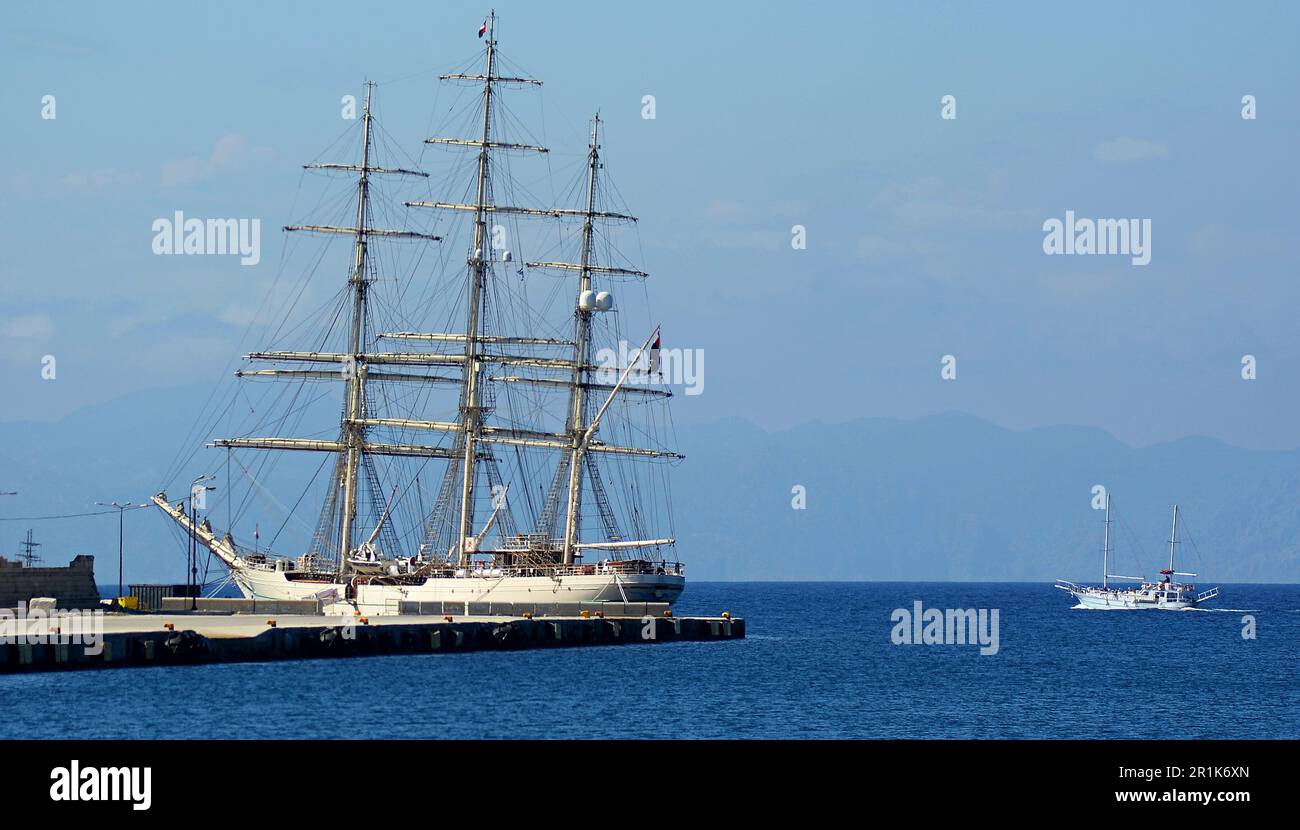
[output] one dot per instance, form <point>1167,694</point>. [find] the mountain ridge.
<point>949,496</point>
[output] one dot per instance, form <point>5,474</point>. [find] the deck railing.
<point>612,568</point>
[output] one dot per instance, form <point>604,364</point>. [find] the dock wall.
<point>71,586</point>
<point>150,643</point>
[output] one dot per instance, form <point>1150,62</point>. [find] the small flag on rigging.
<point>482,29</point>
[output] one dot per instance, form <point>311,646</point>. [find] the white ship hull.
<point>580,583</point>
<point>386,599</point>
<point>1124,601</point>
<point>1138,600</point>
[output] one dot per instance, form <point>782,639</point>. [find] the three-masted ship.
<point>548,487</point>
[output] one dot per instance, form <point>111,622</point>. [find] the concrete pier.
<point>188,639</point>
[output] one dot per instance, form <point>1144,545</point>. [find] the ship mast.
<point>481,349</point>
<point>471,411</point>
<point>352,365</point>
<point>352,431</point>
<point>1105,546</point>
<point>1173,540</point>
<point>582,340</point>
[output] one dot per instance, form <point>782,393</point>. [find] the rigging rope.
<point>66,515</point>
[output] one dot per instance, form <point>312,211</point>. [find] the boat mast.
<point>1105,546</point>
<point>351,365</point>
<point>471,411</point>
<point>1173,540</point>
<point>576,441</point>
<point>352,430</point>
<point>581,339</point>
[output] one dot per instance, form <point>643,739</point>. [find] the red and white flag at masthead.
<point>482,29</point>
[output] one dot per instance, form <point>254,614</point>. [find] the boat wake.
<point>1082,607</point>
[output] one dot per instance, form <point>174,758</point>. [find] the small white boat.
<point>1165,593</point>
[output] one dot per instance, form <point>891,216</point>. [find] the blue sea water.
<point>817,662</point>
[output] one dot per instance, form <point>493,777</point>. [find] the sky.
<point>924,234</point>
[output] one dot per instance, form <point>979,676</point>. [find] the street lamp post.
<point>193,574</point>
<point>121,526</point>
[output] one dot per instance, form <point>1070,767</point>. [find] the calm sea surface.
<point>817,663</point>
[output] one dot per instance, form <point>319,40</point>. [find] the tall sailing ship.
<point>545,461</point>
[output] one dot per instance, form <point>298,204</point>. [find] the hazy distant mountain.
<point>955,497</point>
<point>946,497</point>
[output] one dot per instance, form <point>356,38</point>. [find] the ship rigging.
<point>543,449</point>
